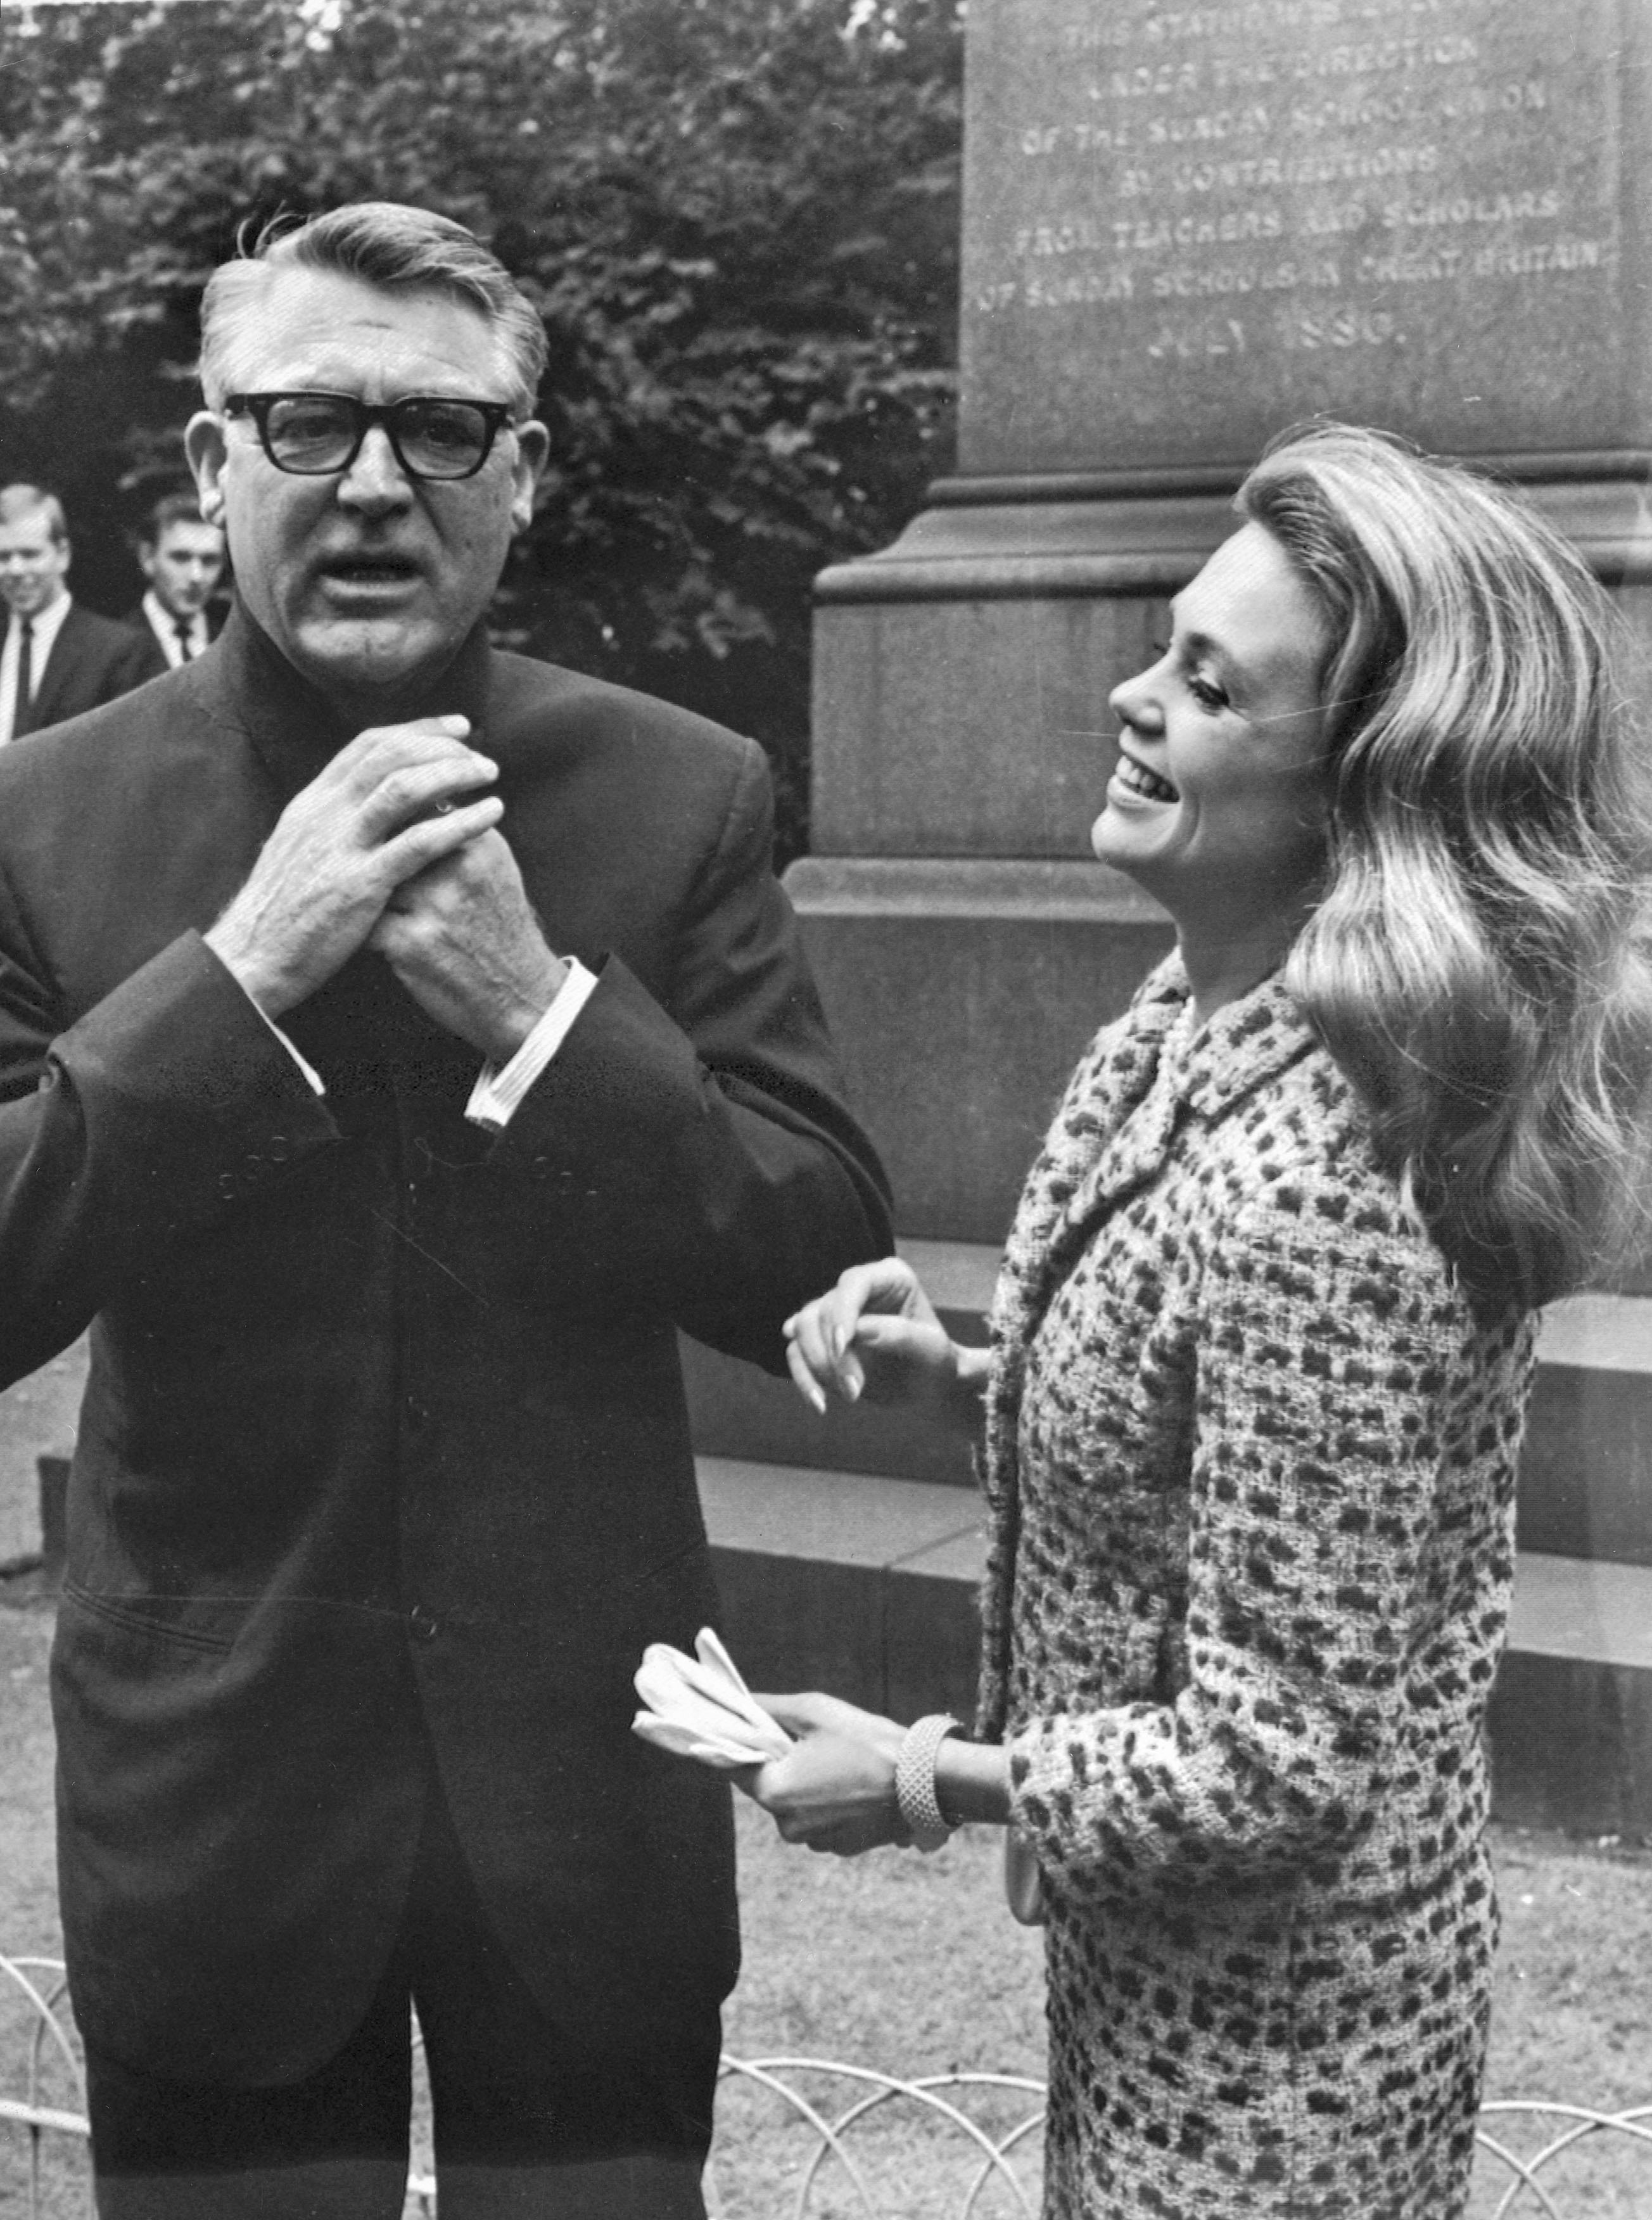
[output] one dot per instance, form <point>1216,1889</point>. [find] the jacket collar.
<point>1246,1043</point>
<point>294,729</point>
<point>1116,1128</point>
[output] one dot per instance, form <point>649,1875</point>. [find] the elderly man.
<point>182,556</point>
<point>58,658</point>
<point>398,1041</point>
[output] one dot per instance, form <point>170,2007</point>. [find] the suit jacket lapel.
<point>1113,1132</point>
<point>1093,1153</point>
<point>55,676</point>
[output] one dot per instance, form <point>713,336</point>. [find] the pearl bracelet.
<point>915,1779</point>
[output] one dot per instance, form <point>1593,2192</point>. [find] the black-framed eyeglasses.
<point>313,435</point>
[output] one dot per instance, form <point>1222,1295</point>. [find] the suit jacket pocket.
<point>179,1621</point>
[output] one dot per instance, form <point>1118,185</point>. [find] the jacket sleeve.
<point>706,1132</point>
<point>158,1111</point>
<point>1324,1364</point>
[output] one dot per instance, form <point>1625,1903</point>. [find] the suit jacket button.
<point>229,1186</point>
<point>421,1624</point>
<point>276,1148</point>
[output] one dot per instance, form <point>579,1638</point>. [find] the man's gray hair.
<point>18,502</point>
<point>381,243</point>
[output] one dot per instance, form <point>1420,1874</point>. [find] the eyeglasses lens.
<point>315,434</point>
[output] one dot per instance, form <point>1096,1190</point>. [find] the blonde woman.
<point>1262,1344</point>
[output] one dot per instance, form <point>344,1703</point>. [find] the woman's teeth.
<point>1137,778</point>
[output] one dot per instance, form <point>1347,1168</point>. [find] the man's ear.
<point>533,452</point>
<point>205,447</point>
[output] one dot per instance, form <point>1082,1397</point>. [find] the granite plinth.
<point>1570,1739</point>
<point>1186,227</point>
<point>960,995</point>
<point>948,727</point>
<point>863,1587</point>
<point>1585,1470</point>
<point>961,675</point>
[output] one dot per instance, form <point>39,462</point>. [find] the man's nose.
<point>375,480</point>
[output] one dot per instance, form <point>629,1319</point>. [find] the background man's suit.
<point>384,1463</point>
<point>93,660</point>
<point>148,617</point>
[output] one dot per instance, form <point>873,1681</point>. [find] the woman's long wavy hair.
<point>1478,964</point>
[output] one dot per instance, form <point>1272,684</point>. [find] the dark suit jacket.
<point>215,612</point>
<point>383,1452</point>
<point>93,660</point>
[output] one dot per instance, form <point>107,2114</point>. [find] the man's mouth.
<point>1137,777</point>
<point>371,570</point>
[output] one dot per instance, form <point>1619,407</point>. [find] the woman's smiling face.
<point>1216,806</point>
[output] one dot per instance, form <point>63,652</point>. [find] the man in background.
<point>182,556</point>
<point>58,660</point>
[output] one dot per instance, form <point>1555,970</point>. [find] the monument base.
<point>960,994</point>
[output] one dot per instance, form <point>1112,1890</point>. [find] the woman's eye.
<point>1207,696</point>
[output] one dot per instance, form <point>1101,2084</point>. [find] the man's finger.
<point>421,739</point>
<point>413,791</point>
<point>427,841</point>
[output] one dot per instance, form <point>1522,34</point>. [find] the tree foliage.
<point>737,217</point>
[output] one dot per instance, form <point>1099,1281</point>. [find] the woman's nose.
<point>1135,702</point>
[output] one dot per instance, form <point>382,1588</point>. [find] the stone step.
<point>736,1411</point>
<point>1586,1474</point>
<point>866,1587</point>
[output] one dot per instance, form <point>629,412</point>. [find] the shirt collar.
<point>162,622</point>
<point>44,630</point>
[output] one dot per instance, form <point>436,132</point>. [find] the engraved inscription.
<point>1245,188</point>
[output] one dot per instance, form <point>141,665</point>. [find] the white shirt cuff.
<point>317,1083</point>
<point>498,1093</point>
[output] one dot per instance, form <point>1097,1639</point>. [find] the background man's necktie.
<point>25,680</point>
<point>185,639</point>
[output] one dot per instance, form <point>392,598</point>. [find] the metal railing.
<point>995,2158</point>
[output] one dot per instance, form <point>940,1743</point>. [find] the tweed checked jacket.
<point>1250,1469</point>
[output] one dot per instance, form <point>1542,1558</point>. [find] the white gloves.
<point>704,1709</point>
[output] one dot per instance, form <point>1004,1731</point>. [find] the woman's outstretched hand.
<point>875,1334</point>
<point>834,1789</point>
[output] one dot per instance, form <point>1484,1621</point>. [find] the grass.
<point>912,1966</point>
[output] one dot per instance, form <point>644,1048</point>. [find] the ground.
<point>906,1964</point>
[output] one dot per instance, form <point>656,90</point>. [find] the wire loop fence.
<point>993,2158</point>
